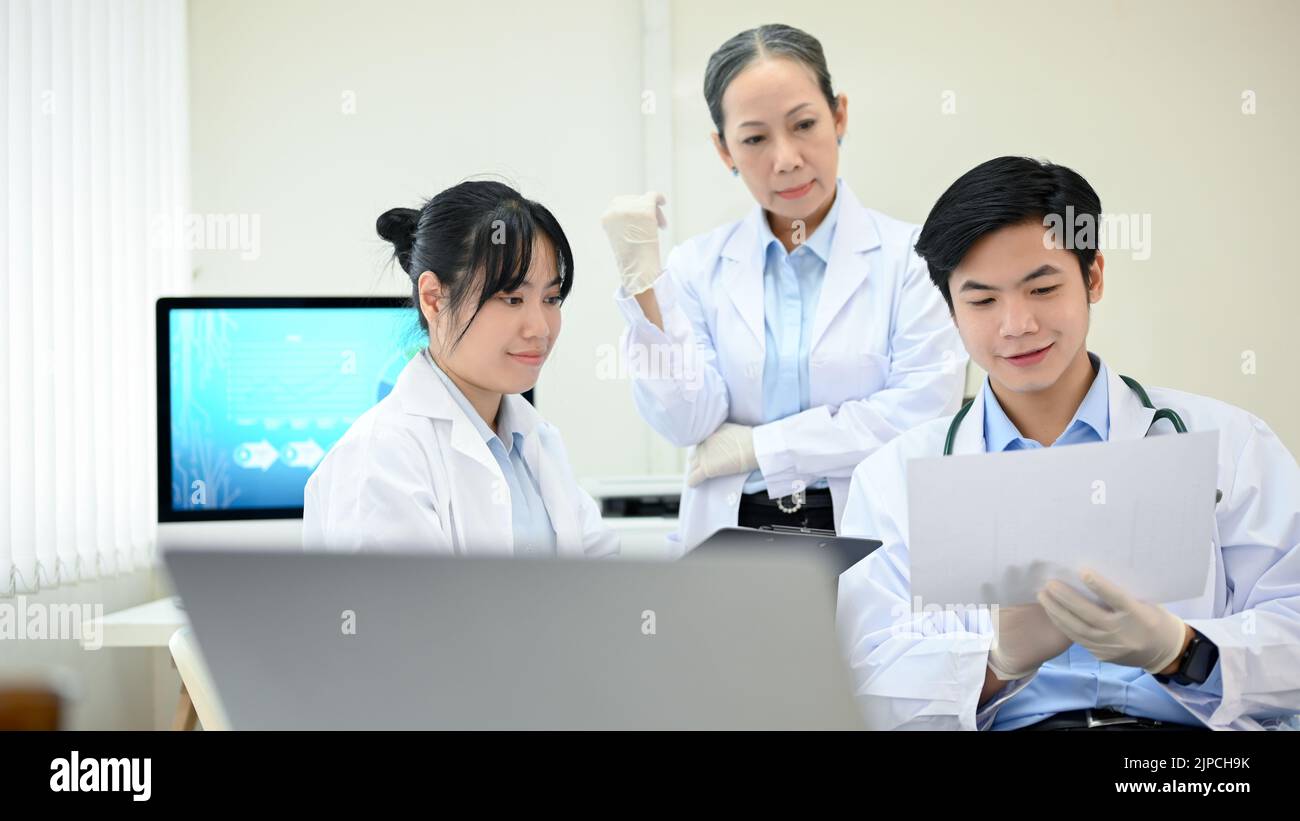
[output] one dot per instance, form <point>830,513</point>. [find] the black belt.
<point>816,498</point>
<point>1103,718</point>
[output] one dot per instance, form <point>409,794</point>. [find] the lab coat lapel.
<point>481,514</point>
<point>423,394</point>
<point>471,470</point>
<point>847,268</point>
<point>555,484</point>
<point>742,275</point>
<point>1129,419</point>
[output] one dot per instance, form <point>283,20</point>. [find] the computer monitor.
<point>253,391</point>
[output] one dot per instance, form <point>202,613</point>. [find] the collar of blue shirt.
<point>512,431</point>
<point>1091,422</point>
<point>820,241</point>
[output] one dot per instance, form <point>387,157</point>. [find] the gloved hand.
<point>632,223</point>
<point>1023,638</point>
<point>1126,631</point>
<point>728,450</point>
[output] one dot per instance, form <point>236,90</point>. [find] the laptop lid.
<point>299,640</point>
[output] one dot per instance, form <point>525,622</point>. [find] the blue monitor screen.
<point>258,395</point>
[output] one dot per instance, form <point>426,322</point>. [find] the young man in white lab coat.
<point>1020,297</point>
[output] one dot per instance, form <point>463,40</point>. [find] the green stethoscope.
<point>1134,385</point>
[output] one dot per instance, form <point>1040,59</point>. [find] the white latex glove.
<point>1125,631</point>
<point>728,450</point>
<point>1023,638</point>
<point>632,223</point>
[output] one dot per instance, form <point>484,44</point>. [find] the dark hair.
<point>773,40</point>
<point>994,195</point>
<point>477,231</point>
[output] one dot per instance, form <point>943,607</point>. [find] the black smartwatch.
<point>1196,663</point>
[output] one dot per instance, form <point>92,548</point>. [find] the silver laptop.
<point>297,640</point>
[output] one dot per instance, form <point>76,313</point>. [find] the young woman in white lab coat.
<point>453,460</point>
<point>1226,659</point>
<point>787,346</point>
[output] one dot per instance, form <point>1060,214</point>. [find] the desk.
<point>145,625</point>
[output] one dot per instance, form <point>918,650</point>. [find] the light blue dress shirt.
<point>792,284</point>
<point>1076,680</point>
<point>534,534</point>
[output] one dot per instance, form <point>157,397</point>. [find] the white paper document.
<point>992,528</point>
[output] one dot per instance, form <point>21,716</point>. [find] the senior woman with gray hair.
<point>785,347</point>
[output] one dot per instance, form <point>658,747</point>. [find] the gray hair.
<point>773,40</point>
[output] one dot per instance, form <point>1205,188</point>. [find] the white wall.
<point>1142,98</point>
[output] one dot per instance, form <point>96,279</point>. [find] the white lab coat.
<point>413,473</point>
<point>884,358</point>
<point>914,676</point>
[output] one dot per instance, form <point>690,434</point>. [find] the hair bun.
<point>397,225</point>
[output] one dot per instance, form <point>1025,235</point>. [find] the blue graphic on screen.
<point>259,395</point>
